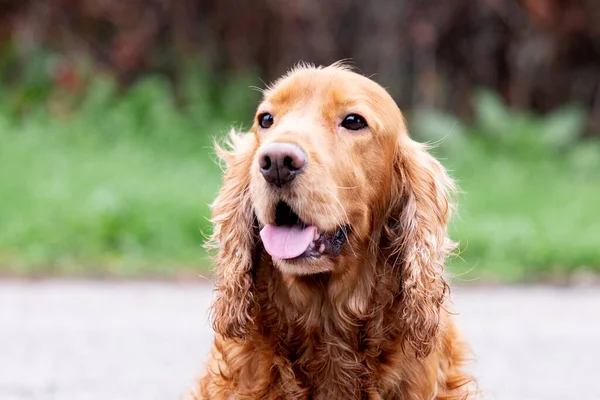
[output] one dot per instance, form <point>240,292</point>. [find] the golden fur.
<point>371,323</point>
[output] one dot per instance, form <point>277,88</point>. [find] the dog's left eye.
<point>354,122</point>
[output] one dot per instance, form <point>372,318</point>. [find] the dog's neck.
<point>321,301</point>
<point>318,323</point>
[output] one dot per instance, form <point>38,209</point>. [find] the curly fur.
<point>373,322</point>
<point>234,236</point>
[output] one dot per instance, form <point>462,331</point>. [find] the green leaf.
<point>563,127</point>
<point>492,116</point>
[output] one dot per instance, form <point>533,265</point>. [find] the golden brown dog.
<point>331,236</point>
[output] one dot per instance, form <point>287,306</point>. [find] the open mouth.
<point>291,238</point>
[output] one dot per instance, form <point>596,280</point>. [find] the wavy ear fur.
<point>234,236</point>
<point>418,245</point>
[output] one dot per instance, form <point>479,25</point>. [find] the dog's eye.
<point>265,120</point>
<point>354,122</point>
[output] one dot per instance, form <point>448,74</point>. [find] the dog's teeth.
<point>321,248</point>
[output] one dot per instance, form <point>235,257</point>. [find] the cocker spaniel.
<point>331,235</point>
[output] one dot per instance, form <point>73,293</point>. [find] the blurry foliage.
<point>537,55</point>
<point>119,183</point>
<point>107,110</point>
<point>524,132</point>
<point>529,189</point>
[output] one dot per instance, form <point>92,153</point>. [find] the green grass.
<point>120,187</point>
<point>119,184</point>
<point>520,220</point>
<point>529,192</point>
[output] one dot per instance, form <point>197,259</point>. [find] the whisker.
<point>267,87</point>
<point>346,219</point>
<point>258,89</point>
<point>346,187</point>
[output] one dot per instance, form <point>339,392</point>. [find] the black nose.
<point>281,162</point>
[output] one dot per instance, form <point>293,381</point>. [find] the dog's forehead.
<point>327,86</point>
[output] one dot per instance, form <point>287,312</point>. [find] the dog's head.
<point>327,176</point>
<point>325,142</point>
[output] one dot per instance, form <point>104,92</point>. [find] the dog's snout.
<point>280,162</point>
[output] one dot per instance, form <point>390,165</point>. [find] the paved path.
<point>111,341</point>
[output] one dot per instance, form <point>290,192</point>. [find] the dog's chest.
<point>327,366</point>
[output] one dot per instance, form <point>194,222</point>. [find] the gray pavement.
<point>110,341</point>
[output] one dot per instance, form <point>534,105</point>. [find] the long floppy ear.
<point>234,237</point>
<point>418,245</point>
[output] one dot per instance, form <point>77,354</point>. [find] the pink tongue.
<point>287,241</point>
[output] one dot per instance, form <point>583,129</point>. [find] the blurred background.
<point>108,112</point>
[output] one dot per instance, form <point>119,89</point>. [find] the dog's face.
<point>322,172</point>
<point>336,185</point>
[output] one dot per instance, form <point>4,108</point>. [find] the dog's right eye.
<point>265,120</point>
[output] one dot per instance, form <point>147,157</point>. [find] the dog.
<point>331,237</point>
